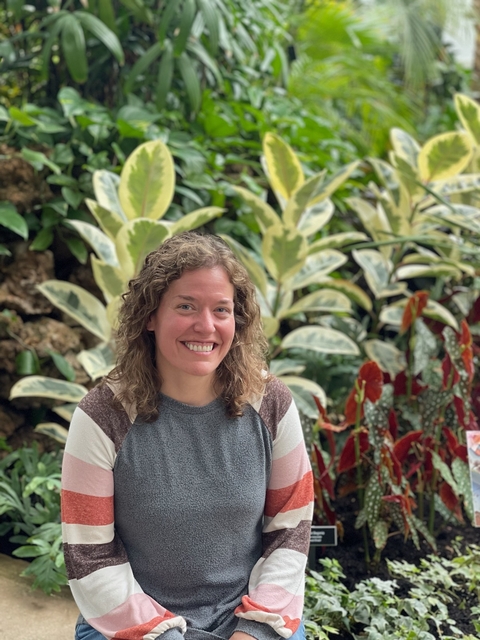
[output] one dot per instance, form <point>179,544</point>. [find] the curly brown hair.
<point>241,374</point>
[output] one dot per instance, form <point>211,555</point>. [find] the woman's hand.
<point>241,635</point>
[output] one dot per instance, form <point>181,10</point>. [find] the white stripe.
<point>178,621</point>
<point>115,584</point>
<point>284,568</point>
<point>86,534</point>
<point>289,433</point>
<point>88,442</point>
<point>289,519</point>
<point>273,619</point>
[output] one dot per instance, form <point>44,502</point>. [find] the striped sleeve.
<point>276,586</point>
<point>100,576</point>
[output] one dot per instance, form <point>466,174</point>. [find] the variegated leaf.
<point>147,181</point>
<point>463,216</point>
<point>323,300</point>
<point>374,220</point>
<point>437,311</point>
<point>135,240</point>
<point>444,156</point>
<point>303,391</point>
<point>103,246</point>
<point>395,198</point>
<point>79,304</point>
<point>331,184</point>
<point>444,471</point>
<point>65,411</point>
<point>43,387</point>
<point>110,222</point>
<point>284,168</point>
<point>284,250</point>
<point>299,200</point>
<point>113,308</point>
<point>469,113</point>
<point>427,271</point>
<point>405,146</point>
<point>316,268</point>
<point>316,217</point>
<point>105,186</point>
<point>54,430</point>
<point>386,355</point>
<point>425,347</point>
<point>408,176</point>
<point>281,367</point>
<point>337,241</point>
<point>461,473</point>
<point>350,289</point>
<point>373,500</point>
<point>254,269</point>
<point>195,219</point>
<point>462,183</point>
<point>320,339</point>
<point>263,212</point>
<point>110,279</point>
<point>98,361</point>
<point>376,269</point>
<point>380,534</point>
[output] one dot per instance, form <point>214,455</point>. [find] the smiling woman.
<point>187,491</point>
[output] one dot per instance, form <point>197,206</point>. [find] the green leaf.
<point>303,391</point>
<point>109,221</point>
<point>316,217</point>
<point>54,430</point>
<point>185,27</point>
<point>284,250</point>
<point>27,363</point>
<point>191,81</point>
<point>337,241</point>
<point>321,339</point>
<point>212,23</point>
<point>444,156</point>
<point>74,49</point>
<point>110,279</point>
<point>79,304</point>
<point>285,172</point>
<point>263,212</point>
<point>43,387</point>
<point>425,347</point>
<point>21,117</point>
<point>380,534</point>
<point>62,365</point>
<point>141,65</point>
<point>43,240</point>
<point>195,219</point>
<point>38,160</point>
<point>335,181</point>
<point>299,200</point>
<point>405,146</point>
<point>147,181</point>
<point>100,30</point>
<point>445,472</point>
<point>350,289</point>
<point>134,242</point>
<point>12,220</point>
<point>374,220</point>
<point>373,500</point>
<point>78,249</point>
<point>165,75</point>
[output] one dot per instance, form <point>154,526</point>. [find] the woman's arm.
<point>276,587</point>
<point>98,569</point>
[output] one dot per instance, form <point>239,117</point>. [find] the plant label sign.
<point>473,444</point>
<point>323,536</point>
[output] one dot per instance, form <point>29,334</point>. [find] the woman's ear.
<point>149,325</point>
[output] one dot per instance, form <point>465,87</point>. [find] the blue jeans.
<point>86,632</point>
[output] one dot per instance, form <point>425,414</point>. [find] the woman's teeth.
<point>198,347</point>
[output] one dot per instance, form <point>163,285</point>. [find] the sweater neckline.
<point>166,402</point>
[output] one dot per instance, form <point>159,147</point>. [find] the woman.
<point>187,491</point>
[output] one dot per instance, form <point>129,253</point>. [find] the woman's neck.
<point>197,391</point>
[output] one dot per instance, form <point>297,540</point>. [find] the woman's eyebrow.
<point>193,299</point>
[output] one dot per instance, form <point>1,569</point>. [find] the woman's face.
<point>194,325</point>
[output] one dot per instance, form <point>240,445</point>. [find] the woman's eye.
<point>223,310</point>
<point>185,307</point>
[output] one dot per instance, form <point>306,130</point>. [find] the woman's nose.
<point>204,322</point>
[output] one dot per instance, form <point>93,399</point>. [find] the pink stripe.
<point>289,468</point>
<point>86,478</point>
<point>138,609</point>
<point>278,600</point>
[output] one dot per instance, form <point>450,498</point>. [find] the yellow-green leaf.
<point>99,241</point>
<point>316,217</point>
<point>254,269</point>
<point>337,241</point>
<point>135,240</point>
<point>374,220</point>
<point>110,222</point>
<point>270,326</point>
<point>335,181</point>
<point>79,304</point>
<point>284,250</point>
<point>469,113</point>
<point>263,212</point>
<point>299,200</point>
<point>147,181</point>
<point>65,411</point>
<point>350,289</point>
<point>98,361</point>
<point>316,267</point>
<point>195,219</point>
<point>109,279</point>
<point>105,186</point>
<point>405,146</point>
<point>284,169</point>
<point>326,300</point>
<point>386,355</point>
<point>444,156</point>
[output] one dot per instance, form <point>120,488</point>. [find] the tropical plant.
<point>30,508</point>
<point>286,265</point>
<point>128,209</point>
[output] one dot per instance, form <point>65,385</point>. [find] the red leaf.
<point>460,410</point>
<point>320,407</point>
<point>351,408</point>
<point>324,479</point>
<point>347,458</point>
<point>393,424</point>
<point>474,315</point>
<point>371,373</point>
<point>467,351</point>
<point>449,499</point>
<point>447,367</point>
<point>452,441</point>
<point>400,385</point>
<point>402,446</point>
<point>462,452</point>
<point>413,310</point>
